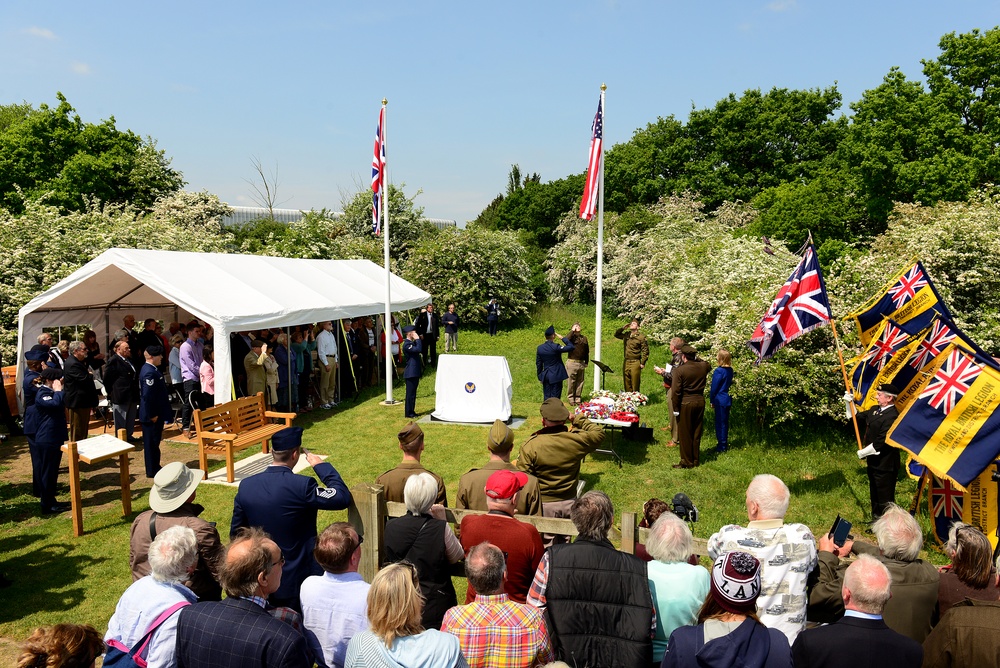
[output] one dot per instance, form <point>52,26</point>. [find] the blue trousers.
<point>152,432</point>
<point>550,390</point>
<point>722,424</point>
<point>410,406</point>
<point>45,458</point>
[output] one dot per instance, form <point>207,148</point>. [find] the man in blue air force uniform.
<point>285,504</point>
<point>154,408</point>
<point>549,364</point>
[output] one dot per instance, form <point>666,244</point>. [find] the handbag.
<point>120,656</point>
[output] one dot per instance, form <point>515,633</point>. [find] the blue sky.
<point>472,86</point>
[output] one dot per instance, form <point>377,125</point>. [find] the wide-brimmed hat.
<point>173,486</point>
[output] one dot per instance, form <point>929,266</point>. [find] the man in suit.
<point>549,365</point>
<point>883,465</point>
<point>865,592</point>
<point>121,383</point>
<point>285,505</point>
<point>79,391</point>
<point>492,316</point>
<point>239,631</point>
<point>428,326</point>
<point>412,348</point>
<point>689,405</point>
<point>154,408</point>
<point>239,346</point>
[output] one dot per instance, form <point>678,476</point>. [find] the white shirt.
<point>326,346</point>
<point>138,607</point>
<point>334,608</point>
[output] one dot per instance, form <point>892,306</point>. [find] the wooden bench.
<point>235,425</point>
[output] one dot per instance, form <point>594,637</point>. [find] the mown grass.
<point>61,578</point>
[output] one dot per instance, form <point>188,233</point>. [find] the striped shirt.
<point>495,632</point>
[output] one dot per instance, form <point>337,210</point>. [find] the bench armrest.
<point>287,417</point>
<point>217,436</point>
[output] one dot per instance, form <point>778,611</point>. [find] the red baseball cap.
<point>505,484</point>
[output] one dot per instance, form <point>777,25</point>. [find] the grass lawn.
<point>61,578</point>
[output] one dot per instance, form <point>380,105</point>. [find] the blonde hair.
<point>724,358</point>
<point>61,646</point>
<point>395,603</point>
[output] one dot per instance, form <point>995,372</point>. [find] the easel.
<point>92,451</point>
<point>605,369</point>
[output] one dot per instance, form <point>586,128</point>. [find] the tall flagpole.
<point>600,254</point>
<point>387,322</point>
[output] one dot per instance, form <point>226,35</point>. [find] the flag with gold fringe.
<point>951,425</point>
<point>910,299</point>
<point>889,345</point>
<point>981,504</point>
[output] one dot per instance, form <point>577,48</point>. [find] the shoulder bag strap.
<point>138,653</point>
<point>152,526</point>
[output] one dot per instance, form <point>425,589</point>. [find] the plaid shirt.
<point>495,632</point>
<point>536,594</point>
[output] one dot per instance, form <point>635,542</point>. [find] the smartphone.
<point>840,531</point>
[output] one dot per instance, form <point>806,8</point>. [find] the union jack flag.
<point>908,285</point>
<point>937,340</point>
<point>590,191</point>
<point>951,382</point>
<point>883,348</point>
<point>378,172</point>
<point>946,502</point>
<point>800,306</point>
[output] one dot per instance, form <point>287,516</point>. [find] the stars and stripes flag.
<point>952,425</point>
<point>378,172</point>
<point>800,306</point>
<point>590,191</point>
<point>910,299</point>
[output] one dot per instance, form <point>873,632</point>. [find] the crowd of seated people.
<point>773,595</point>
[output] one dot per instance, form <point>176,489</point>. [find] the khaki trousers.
<point>633,375</point>
<point>328,380</point>
<point>577,370</point>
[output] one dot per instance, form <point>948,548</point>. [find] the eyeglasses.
<point>361,539</point>
<point>279,562</point>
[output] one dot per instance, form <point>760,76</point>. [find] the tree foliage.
<point>406,219</point>
<point>470,266</point>
<point>52,152</point>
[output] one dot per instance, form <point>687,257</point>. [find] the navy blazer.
<point>237,633</point>
<point>421,324</point>
<point>153,399</point>
<point>864,643</point>
<point>548,361</point>
<point>120,380</point>
<point>46,421</point>
<point>412,350</point>
<point>722,380</point>
<point>78,384</point>
<point>285,504</point>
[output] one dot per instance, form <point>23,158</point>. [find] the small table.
<point>92,451</point>
<point>612,426</point>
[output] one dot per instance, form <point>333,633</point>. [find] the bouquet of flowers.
<point>594,410</point>
<point>629,401</point>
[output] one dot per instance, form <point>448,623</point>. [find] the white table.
<point>472,388</point>
<point>612,426</point>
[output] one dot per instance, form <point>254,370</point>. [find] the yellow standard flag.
<point>979,507</point>
<point>910,299</point>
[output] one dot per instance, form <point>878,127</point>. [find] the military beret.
<point>501,438</point>
<point>410,433</point>
<point>154,351</point>
<point>554,410</point>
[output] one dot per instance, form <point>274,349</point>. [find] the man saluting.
<point>549,364</point>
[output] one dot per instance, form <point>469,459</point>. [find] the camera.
<point>684,508</point>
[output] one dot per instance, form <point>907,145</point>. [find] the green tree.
<point>406,219</point>
<point>646,167</point>
<point>470,266</point>
<point>52,152</point>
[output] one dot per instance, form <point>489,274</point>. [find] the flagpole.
<point>847,383</point>
<point>384,205</point>
<point>600,254</point>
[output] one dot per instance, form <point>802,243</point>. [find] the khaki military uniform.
<point>576,366</point>
<point>394,480</point>
<point>636,355</point>
<point>554,454</point>
<point>472,486</point>
<point>688,402</point>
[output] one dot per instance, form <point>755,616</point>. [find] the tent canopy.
<point>229,292</point>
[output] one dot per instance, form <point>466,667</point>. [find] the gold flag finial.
<point>604,87</point>
<point>384,101</point>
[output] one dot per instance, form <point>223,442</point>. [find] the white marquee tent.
<point>229,292</point>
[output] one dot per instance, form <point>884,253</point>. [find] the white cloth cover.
<point>473,388</point>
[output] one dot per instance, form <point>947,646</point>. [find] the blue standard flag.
<point>952,426</point>
<point>909,299</point>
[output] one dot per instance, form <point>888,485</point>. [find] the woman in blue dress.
<point>718,396</point>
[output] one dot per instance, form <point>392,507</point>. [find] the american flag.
<point>378,171</point>
<point>590,190</point>
<point>800,307</point>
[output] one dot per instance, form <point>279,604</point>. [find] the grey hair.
<point>771,494</point>
<point>592,515</point>
<point>485,566</point>
<point>419,493</point>
<point>869,582</point>
<point>898,534</point>
<point>76,345</point>
<point>669,539</point>
<point>172,553</point>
